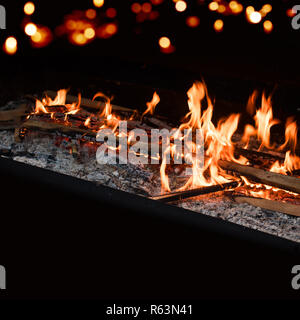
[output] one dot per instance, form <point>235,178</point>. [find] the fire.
<point>152,104</point>
<point>263,121</point>
<point>112,121</point>
<point>60,100</point>
<point>217,141</point>
<point>205,143</point>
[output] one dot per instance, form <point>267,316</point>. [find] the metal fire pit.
<point>119,200</point>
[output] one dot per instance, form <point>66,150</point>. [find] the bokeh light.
<point>146,7</point>
<point>255,17</point>
<point>268,26</point>
<point>98,3</point>
<point>193,21</point>
<point>30,29</point>
<point>42,37</point>
<point>213,6</point>
<point>136,7</point>
<point>89,33</point>
<point>180,6</point>
<point>11,45</point>
<point>91,14</point>
<point>164,42</point>
<point>218,25</point>
<point>111,13</point>
<point>221,8</point>
<point>29,8</point>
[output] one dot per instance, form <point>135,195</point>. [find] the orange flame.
<point>59,100</point>
<point>263,122</point>
<point>217,141</point>
<point>152,104</point>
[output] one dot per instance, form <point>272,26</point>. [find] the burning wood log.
<point>48,126</point>
<point>88,103</point>
<point>159,123</point>
<point>258,154</point>
<point>180,195</point>
<point>262,176</point>
<point>278,206</point>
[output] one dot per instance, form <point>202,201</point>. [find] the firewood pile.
<point>246,178</point>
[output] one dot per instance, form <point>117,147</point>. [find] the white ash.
<point>271,222</point>
<point>145,181</point>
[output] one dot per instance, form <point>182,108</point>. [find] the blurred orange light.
<point>98,3</point>
<point>91,13</point>
<point>146,7</point>
<point>193,21</point>
<point>11,45</point>
<point>290,13</point>
<point>268,26</point>
<point>213,6</point>
<point>111,12</point>
<point>37,37</point>
<point>89,33</point>
<point>30,29</point>
<point>111,28</point>
<point>180,6</point>
<point>164,42</point>
<point>221,8</point>
<point>267,8</point>
<point>218,25</point>
<point>78,38</point>
<point>156,2</point>
<point>233,5</point>
<point>71,24</point>
<point>42,37</point>
<point>255,17</point>
<point>29,8</point>
<point>249,10</point>
<point>136,7</point>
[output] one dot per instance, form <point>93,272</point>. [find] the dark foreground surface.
<point>59,244</point>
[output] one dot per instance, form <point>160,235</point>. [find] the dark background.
<point>57,245</point>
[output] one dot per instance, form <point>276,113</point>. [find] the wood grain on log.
<point>283,207</point>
